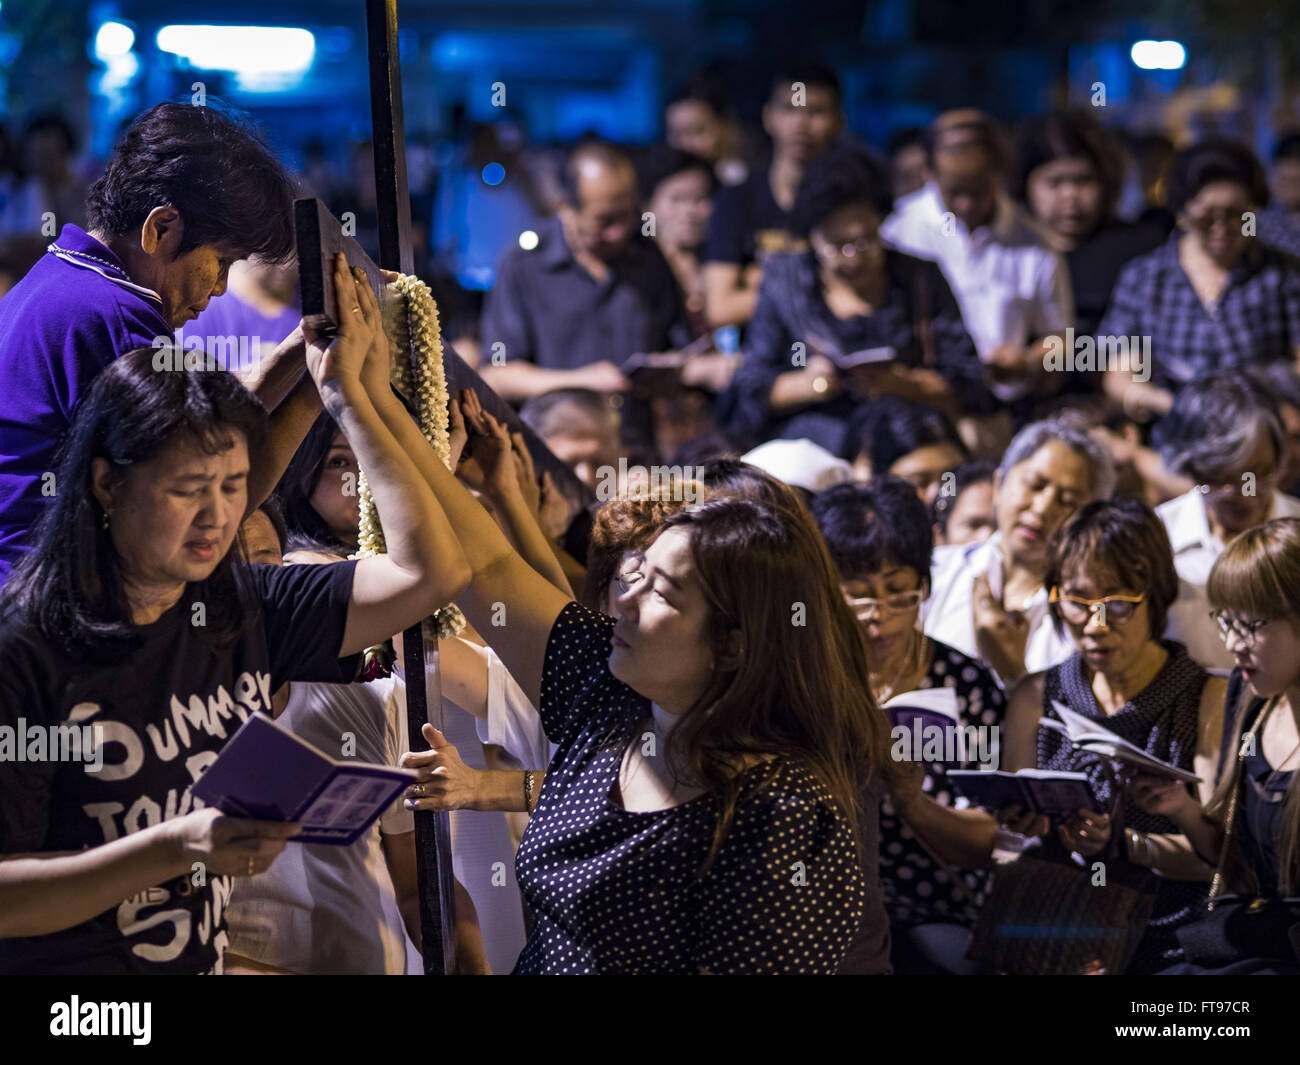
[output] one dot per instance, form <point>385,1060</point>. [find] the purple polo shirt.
<point>74,313</point>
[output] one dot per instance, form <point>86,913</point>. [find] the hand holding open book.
<point>1091,736</point>
<point>267,773</point>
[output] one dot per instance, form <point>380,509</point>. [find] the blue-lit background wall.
<point>587,66</point>
<point>556,71</point>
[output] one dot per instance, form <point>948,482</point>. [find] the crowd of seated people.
<point>846,445</point>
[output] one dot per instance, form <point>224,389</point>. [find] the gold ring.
<point>356,310</point>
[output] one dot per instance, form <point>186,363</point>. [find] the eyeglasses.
<point>1112,608</point>
<point>900,603</point>
<point>1247,632</point>
<point>861,246</point>
<point>1258,485</point>
<point>624,581</point>
<point>1228,217</point>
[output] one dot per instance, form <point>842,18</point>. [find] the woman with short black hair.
<point>1068,175</point>
<point>879,536</point>
<point>845,301</point>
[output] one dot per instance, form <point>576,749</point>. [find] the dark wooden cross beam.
<point>319,236</point>
<point>423,685</point>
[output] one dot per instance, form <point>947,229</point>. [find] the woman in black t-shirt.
<point>132,645</point>
<point>1068,173</point>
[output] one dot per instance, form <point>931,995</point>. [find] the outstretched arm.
<point>506,596</point>
<point>424,568</point>
<point>496,453</point>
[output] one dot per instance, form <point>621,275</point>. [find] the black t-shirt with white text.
<point>164,710</point>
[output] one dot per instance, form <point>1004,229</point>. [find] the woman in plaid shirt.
<point>1214,296</point>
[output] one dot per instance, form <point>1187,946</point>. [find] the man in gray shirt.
<point>593,291</point>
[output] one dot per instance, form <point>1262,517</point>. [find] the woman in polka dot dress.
<point>699,813</point>
<point>880,538</point>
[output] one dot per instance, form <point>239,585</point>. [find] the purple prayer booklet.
<point>925,725</point>
<point>1058,794</point>
<point>267,773</point>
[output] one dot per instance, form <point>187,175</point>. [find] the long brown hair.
<point>798,688</point>
<point>1258,576</point>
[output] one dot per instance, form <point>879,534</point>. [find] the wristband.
<point>1140,851</point>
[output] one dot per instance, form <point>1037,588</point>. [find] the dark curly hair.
<point>621,525</point>
<point>209,163</point>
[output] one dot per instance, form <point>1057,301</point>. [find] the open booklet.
<point>1092,736</point>
<point>267,773</point>
<point>864,357</point>
<point>1042,791</point>
<point>665,363</point>
<point>928,706</point>
<point>925,726</point>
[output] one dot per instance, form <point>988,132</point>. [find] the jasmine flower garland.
<point>411,325</point>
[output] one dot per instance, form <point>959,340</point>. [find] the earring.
<point>105,519</point>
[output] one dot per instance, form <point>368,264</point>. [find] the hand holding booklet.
<point>850,360</point>
<point>267,773</point>
<point>1058,795</point>
<point>1085,734</point>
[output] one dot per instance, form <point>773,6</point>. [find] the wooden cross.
<point>319,236</point>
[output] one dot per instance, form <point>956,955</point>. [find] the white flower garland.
<point>411,325</point>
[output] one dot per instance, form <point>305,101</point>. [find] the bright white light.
<point>241,49</point>
<point>1158,55</point>
<point>528,240</point>
<point>113,39</point>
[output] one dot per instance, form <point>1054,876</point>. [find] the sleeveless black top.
<point>1261,794</point>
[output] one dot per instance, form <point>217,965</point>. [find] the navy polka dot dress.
<point>917,889</point>
<point>613,891</point>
